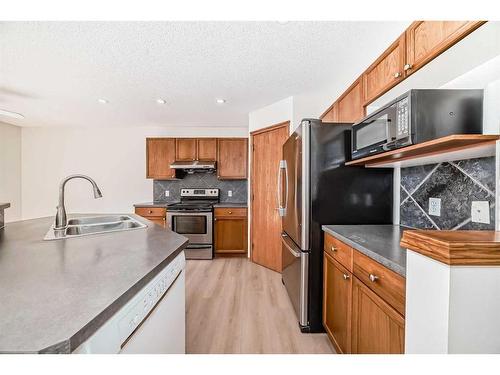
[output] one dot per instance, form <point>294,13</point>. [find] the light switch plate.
<point>229,193</point>
<point>167,193</point>
<point>435,206</point>
<point>480,212</point>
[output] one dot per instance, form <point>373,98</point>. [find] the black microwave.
<point>418,116</point>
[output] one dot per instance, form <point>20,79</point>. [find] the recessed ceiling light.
<point>4,112</point>
<point>220,101</point>
<point>103,101</point>
<point>161,101</point>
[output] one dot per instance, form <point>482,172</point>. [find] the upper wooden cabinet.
<point>160,153</point>
<point>185,149</point>
<point>206,149</point>
<point>427,39</point>
<point>232,158</point>
<point>332,114</point>
<point>386,72</point>
<point>337,292</point>
<point>350,104</point>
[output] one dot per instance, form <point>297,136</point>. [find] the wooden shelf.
<point>450,148</point>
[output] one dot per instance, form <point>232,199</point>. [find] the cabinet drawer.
<point>150,211</point>
<point>230,211</point>
<point>387,284</point>
<point>339,251</point>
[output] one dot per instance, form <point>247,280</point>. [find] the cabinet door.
<point>337,293</point>
<point>386,71</point>
<point>160,153</point>
<point>350,104</point>
<point>376,327</point>
<point>185,149</point>
<point>206,149</point>
<point>232,158</point>
<point>231,235</point>
<point>332,115</point>
<point>427,39</point>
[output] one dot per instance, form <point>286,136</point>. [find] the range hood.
<point>194,166</point>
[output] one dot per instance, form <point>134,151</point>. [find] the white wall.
<point>272,114</point>
<point>114,157</point>
<point>10,170</point>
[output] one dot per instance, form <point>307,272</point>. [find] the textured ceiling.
<point>54,72</point>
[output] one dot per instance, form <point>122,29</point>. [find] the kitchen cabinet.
<point>160,154</point>
<point>185,149</point>
<point>231,231</point>
<point>232,158</point>
<point>427,39</point>
<point>337,294</point>
<point>332,114</point>
<point>350,104</point>
<point>155,214</point>
<point>386,72</point>
<point>377,328</point>
<point>363,301</point>
<point>206,149</point>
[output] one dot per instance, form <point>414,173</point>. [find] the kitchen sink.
<point>94,225</point>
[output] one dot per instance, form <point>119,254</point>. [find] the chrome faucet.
<point>61,219</point>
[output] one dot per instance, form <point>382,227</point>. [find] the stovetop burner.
<point>200,200</point>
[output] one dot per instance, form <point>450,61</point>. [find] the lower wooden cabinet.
<point>155,214</point>
<point>377,328</point>
<point>337,294</point>
<point>231,233</point>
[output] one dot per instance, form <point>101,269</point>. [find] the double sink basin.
<point>94,225</point>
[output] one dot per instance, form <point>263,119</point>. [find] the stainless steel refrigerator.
<point>316,188</point>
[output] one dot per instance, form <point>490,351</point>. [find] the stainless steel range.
<point>193,218</point>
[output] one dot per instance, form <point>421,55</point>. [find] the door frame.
<point>251,159</point>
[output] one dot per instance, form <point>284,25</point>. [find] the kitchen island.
<point>56,294</point>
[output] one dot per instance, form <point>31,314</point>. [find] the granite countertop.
<point>379,242</point>
<point>4,205</point>
<point>155,204</point>
<point>231,204</point>
<point>56,294</point>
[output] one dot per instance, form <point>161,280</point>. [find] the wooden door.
<point>160,153</point>
<point>350,104</point>
<point>427,39</point>
<point>232,158</point>
<point>386,71</point>
<point>185,149</point>
<point>266,222</point>
<point>206,149</point>
<point>377,328</point>
<point>337,293</point>
<point>231,235</point>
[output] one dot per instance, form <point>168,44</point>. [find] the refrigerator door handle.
<point>281,209</point>
<point>285,239</point>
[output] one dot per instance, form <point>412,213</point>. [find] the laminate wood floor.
<point>236,306</point>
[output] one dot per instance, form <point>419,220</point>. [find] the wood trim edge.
<point>271,127</point>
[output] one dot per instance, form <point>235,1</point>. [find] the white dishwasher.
<point>152,322</point>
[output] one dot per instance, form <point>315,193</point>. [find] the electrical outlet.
<point>167,193</point>
<point>435,206</point>
<point>229,193</point>
<point>480,212</point>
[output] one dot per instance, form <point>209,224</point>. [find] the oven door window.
<point>190,224</point>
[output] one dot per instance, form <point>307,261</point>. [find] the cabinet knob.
<point>333,248</point>
<point>215,219</point>
<point>407,67</point>
<point>346,277</point>
<point>150,211</point>
<point>397,75</point>
<point>230,212</point>
<point>373,278</point>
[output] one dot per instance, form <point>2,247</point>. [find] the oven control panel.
<point>213,192</point>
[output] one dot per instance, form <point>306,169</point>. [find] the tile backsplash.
<point>457,184</point>
<point>239,188</point>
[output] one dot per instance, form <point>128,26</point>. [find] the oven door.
<point>376,133</point>
<point>196,226</point>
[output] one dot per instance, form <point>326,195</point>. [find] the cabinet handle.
<point>215,219</point>
<point>346,277</point>
<point>397,75</point>
<point>407,67</point>
<point>373,278</point>
<point>150,211</point>
<point>333,248</point>
<point>230,212</point>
